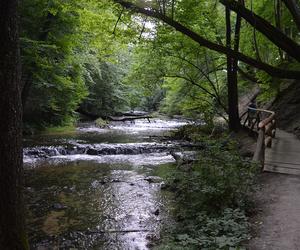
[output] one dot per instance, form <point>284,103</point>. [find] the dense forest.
<point>76,61</point>
<point>99,58</point>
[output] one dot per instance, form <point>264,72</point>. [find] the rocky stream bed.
<point>100,188</point>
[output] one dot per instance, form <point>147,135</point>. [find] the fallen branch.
<point>128,118</point>
<point>119,231</point>
<point>123,118</point>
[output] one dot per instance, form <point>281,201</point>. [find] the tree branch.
<point>119,18</point>
<point>190,80</point>
<point>294,9</point>
<point>272,33</point>
<point>271,70</point>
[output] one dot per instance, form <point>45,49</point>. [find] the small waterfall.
<point>98,149</point>
<point>140,139</point>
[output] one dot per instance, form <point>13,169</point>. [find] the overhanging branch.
<point>272,33</point>
<point>271,70</point>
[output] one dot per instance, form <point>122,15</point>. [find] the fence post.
<point>259,155</point>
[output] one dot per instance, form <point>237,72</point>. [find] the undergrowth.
<point>212,197</point>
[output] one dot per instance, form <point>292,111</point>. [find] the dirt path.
<point>278,220</point>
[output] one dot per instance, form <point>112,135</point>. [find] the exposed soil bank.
<point>287,106</point>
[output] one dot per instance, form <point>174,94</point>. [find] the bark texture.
<point>12,233</point>
<point>233,113</point>
<point>232,69</point>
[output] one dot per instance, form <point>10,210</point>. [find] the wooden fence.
<point>262,122</point>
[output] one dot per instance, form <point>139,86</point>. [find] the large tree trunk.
<point>12,233</point>
<point>232,88</point>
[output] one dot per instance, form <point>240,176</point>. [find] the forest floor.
<point>277,221</point>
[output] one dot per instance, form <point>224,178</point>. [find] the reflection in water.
<point>133,210</point>
<point>85,201</point>
<point>88,205</point>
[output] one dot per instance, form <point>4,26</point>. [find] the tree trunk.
<point>275,35</point>
<point>277,8</point>
<point>12,232</point>
<point>232,89</point>
<point>294,8</point>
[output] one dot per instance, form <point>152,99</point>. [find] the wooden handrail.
<point>266,132</point>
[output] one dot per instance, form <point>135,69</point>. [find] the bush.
<point>101,123</point>
<point>206,232</point>
<point>197,132</point>
<point>212,199</point>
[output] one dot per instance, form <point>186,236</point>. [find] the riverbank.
<point>134,185</point>
<point>213,194</point>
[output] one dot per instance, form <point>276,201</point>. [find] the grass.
<point>68,129</point>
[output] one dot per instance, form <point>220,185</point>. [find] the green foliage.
<point>176,65</point>
<point>50,52</point>
<point>194,132</point>
<point>211,199</point>
<point>115,60</point>
<point>106,90</point>
<point>101,123</point>
<point>63,47</point>
<point>226,231</point>
<point>269,87</point>
<point>221,178</point>
<point>60,130</point>
<point>169,59</point>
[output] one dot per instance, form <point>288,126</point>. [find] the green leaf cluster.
<point>212,198</point>
<point>70,57</point>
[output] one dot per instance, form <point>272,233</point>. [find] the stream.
<point>100,188</point>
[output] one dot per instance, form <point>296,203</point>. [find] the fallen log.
<point>119,231</point>
<point>114,118</point>
<point>128,118</point>
<point>133,113</point>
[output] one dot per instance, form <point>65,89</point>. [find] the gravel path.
<point>277,223</point>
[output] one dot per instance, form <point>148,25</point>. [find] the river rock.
<point>92,151</point>
<point>153,179</point>
<point>58,206</point>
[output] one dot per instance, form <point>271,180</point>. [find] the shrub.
<point>211,200</point>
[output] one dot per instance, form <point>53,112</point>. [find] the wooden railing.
<point>265,127</point>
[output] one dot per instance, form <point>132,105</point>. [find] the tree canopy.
<point>106,57</point>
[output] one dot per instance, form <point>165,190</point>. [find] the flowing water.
<point>99,188</point>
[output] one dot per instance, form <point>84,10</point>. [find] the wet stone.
<point>153,179</point>
<point>58,206</point>
<point>96,183</point>
<point>156,212</point>
<point>92,151</point>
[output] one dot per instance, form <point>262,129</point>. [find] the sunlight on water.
<point>96,189</point>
